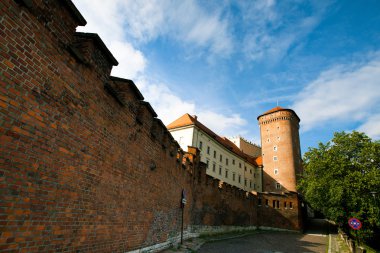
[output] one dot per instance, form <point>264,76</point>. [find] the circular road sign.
<point>355,223</point>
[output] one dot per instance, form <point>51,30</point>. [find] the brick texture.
<point>85,165</point>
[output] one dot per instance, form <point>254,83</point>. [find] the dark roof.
<point>277,109</point>
<point>131,83</point>
<point>75,12</point>
<point>149,107</point>
<point>98,41</point>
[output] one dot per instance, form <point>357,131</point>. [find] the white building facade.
<point>225,161</point>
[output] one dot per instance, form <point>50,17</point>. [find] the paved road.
<point>269,242</point>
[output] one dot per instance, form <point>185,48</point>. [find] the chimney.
<point>195,117</point>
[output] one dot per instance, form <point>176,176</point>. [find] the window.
<point>250,171</point>
<point>214,153</point>
<point>274,148</point>
<point>226,175</point>
<point>220,158</point>
<point>275,158</point>
<point>208,150</point>
<point>233,176</point>
<point>245,182</point>
<point>278,186</point>
<point>207,162</point>
<point>220,170</point>
<point>268,140</point>
<point>274,203</point>
<point>254,175</point>
<point>266,202</point>
<point>290,205</point>
<point>275,171</point>
<point>233,161</point>
<point>278,138</point>
<point>213,167</point>
<point>278,204</point>
<point>254,186</point>
<point>285,205</point>
<point>226,161</point>
<point>239,179</point>
<point>245,168</point>
<point>250,183</point>
<point>200,145</point>
<point>259,201</point>
<point>239,165</point>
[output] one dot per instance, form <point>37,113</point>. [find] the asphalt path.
<point>269,242</point>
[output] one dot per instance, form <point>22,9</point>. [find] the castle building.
<point>225,161</point>
<point>281,151</point>
<point>273,167</point>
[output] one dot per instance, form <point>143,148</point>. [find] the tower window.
<point>275,158</point>
<point>278,138</point>
<point>274,148</point>
<point>276,171</point>
<point>268,140</point>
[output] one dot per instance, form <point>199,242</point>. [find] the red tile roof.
<point>187,120</point>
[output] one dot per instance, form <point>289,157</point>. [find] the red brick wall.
<point>217,203</point>
<point>79,170</point>
<point>279,211</point>
<point>84,164</point>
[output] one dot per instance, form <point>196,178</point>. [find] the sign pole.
<point>183,203</point>
<point>182,226</point>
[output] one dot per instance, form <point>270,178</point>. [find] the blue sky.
<point>230,61</point>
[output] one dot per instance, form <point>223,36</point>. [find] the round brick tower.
<point>280,149</point>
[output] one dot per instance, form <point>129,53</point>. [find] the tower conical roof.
<point>276,109</point>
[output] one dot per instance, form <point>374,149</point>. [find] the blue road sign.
<point>355,223</point>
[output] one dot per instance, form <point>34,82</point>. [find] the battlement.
<point>83,151</point>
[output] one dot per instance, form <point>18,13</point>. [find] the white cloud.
<point>146,20</point>
<point>105,19</point>
<point>131,61</point>
<point>169,107</point>
<point>273,28</point>
<point>371,127</point>
<point>347,93</point>
<point>222,124</point>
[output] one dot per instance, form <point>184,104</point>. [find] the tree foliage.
<point>342,180</point>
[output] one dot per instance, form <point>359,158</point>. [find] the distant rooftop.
<point>188,120</point>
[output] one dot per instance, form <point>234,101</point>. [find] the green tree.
<point>341,179</point>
